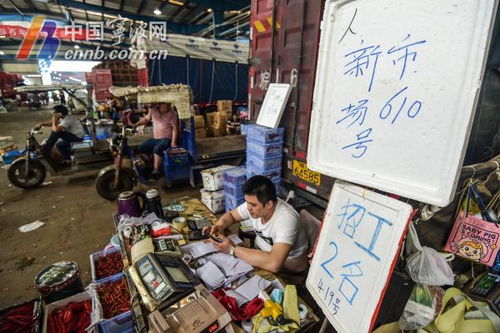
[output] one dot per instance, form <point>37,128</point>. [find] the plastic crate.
<point>265,135</point>
<point>123,323</point>
<point>108,280</point>
<point>175,156</point>
<point>11,156</point>
<point>231,202</point>
<point>235,191</point>
<point>235,176</point>
<point>244,129</point>
<point>273,174</point>
<point>257,162</point>
<point>93,260</point>
<point>179,172</point>
<point>265,150</point>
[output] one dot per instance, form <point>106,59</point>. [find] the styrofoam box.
<point>212,178</point>
<point>257,162</point>
<point>264,134</point>
<point>215,205</point>
<point>265,150</point>
<point>58,304</point>
<point>212,195</point>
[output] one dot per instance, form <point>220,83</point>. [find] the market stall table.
<point>189,207</point>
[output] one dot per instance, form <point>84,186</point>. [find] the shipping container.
<point>288,54</point>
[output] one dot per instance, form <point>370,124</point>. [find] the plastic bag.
<point>426,265</point>
<point>422,307</point>
<point>429,267</point>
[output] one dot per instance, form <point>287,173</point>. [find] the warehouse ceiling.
<point>219,19</point>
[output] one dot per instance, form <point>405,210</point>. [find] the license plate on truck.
<point>300,170</point>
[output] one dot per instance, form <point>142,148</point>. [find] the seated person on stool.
<point>165,129</point>
<point>281,242</point>
<point>65,130</point>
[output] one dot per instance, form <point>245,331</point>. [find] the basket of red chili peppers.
<point>72,314</point>
<point>113,295</point>
<point>22,318</point>
<point>105,263</point>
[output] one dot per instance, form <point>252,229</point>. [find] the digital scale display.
<point>165,276</point>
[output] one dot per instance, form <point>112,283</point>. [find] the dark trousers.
<point>64,146</point>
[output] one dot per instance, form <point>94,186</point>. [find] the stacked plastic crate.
<point>233,187</point>
<point>265,152</point>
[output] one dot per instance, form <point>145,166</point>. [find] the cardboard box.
<point>219,131</point>
<point>225,105</point>
<point>200,133</point>
<point>220,119</point>
<point>212,178</point>
<point>199,122</point>
<point>210,119</point>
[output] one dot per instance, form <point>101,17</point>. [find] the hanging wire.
<point>236,80</point>
<point>212,85</point>
<point>187,71</point>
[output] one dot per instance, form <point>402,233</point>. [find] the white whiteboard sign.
<point>355,254</point>
<point>274,104</point>
<point>395,93</point>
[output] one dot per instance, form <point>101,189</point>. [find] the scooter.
<point>30,170</point>
<point>127,170</point>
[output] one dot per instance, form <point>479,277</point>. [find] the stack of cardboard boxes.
<point>216,122</point>
<point>199,127</point>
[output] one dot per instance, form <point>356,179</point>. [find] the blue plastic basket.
<point>93,260</point>
<point>232,202</point>
<point>263,164</point>
<point>235,191</point>
<point>11,156</point>
<point>180,157</point>
<point>265,150</point>
<point>273,174</point>
<point>265,135</point>
<point>235,176</point>
<point>123,323</point>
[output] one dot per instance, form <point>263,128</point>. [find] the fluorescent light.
<point>209,10</point>
<point>157,11</point>
<point>175,2</point>
<point>76,47</point>
<point>2,53</point>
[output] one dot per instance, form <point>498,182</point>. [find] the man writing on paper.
<point>281,242</point>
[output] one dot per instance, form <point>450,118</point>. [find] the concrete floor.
<point>77,221</point>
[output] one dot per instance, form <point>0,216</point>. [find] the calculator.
<point>198,224</point>
<point>165,277</point>
<point>167,246</point>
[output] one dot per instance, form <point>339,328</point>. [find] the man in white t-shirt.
<point>65,130</point>
<point>280,239</point>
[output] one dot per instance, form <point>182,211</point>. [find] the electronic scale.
<point>165,277</point>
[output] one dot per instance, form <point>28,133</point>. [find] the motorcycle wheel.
<point>36,173</point>
<point>104,184</point>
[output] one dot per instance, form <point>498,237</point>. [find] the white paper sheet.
<point>251,288</point>
<point>199,249</point>
<point>230,265</point>
<point>235,239</point>
<point>211,275</point>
